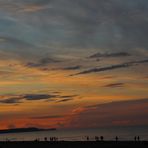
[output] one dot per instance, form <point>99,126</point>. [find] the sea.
<point>123,133</point>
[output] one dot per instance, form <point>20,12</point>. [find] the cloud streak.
<point>64,100</point>
<point>72,68</point>
<point>48,117</point>
<point>108,55</point>
<point>112,67</point>
<point>42,63</point>
<point>114,85</point>
<point>10,101</point>
<point>33,97</point>
<point>107,68</point>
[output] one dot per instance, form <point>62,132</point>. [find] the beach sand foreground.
<point>76,144</point>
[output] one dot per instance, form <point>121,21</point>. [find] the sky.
<point>73,63</point>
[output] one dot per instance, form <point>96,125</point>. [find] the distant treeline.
<point>21,130</point>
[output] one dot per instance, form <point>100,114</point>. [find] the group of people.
<point>137,138</point>
<point>97,138</point>
<point>101,138</point>
<point>50,139</point>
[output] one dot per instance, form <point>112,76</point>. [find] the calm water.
<point>73,135</point>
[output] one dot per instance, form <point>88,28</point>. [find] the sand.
<point>80,144</point>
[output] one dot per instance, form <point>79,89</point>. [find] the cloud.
<point>31,97</point>
<point>14,48</point>
<point>45,61</point>
<point>96,70</point>
<point>114,85</point>
<point>65,100</point>
<point>48,117</point>
<point>141,61</point>
<point>72,68</point>
<point>55,27</point>
<point>33,8</point>
<point>109,24</point>
<point>120,113</point>
<point>35,2</point>
<point>42,63</point>
<point>14,43</point>
<point>10,101</point>
<point>68,96</point>
<point>112,67</point>
<point>14,99</point>
<point>108,55</point>
<point>20,98</point>
<point>25,5</point>
<point>120,103</point>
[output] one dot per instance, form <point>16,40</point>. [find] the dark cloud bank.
<point>36,97</point>
<point>121,113</point>
<point>104,24</point>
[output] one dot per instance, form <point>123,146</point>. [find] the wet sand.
<point>66,144</point>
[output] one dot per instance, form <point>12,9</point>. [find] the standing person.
<point>87,138</point>
<point>45,138</point>
<point>135,138</point>
<point>116,138</point>
<point>138,138</point>
<point>102,138</point>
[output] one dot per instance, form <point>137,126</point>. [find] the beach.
<point>75,144</point>
<point>109,134</point>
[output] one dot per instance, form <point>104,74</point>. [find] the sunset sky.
<point>73,63</point>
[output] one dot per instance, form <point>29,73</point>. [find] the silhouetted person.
<point>51,138</point>
<point>138,138</point>
<point>55,139</point>
<point>45,138</point>
<point>37,139</point>
<point>135,138</point>
<point>101,138</point>
<point>116,138</point>
<point>87,138</point>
